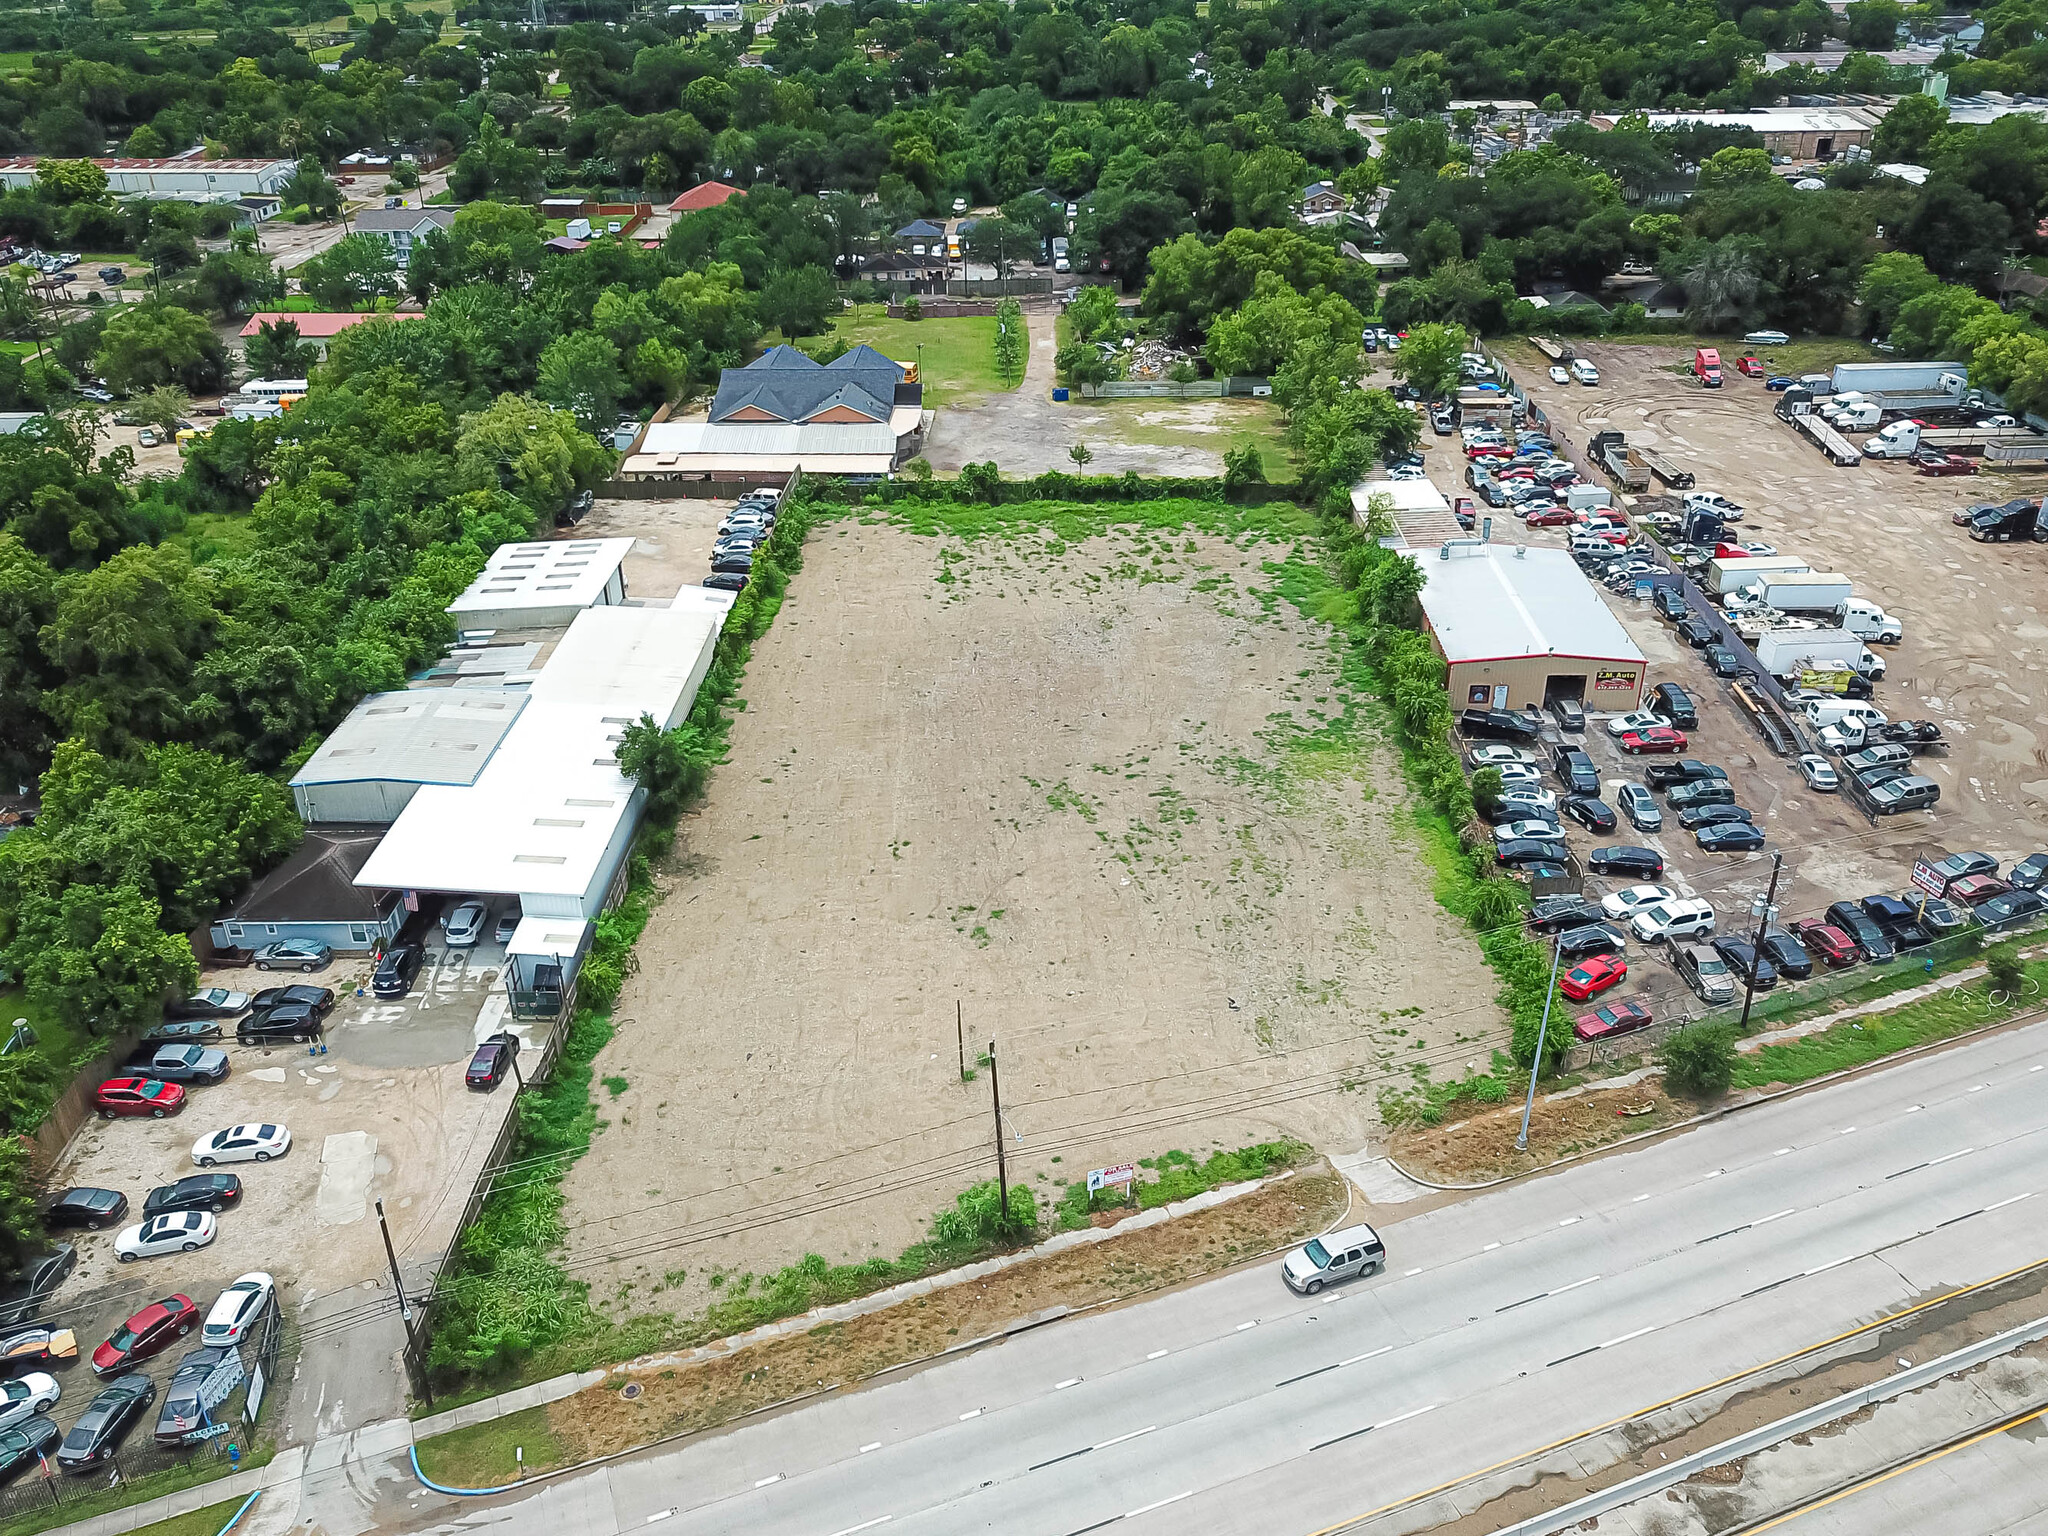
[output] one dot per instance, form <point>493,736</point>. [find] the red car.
<point>1550,517</point>
<point>1931,462</point>
<point>1972,889</point>
<point>1749,367</point>
<point>1461,509</point>
<point>1591,976</point>
<point>146,1334</point>
<point>137,1096</point>
<point>1614,1019</point>
<point>1833,946</point>
<point>1730,552</point>
<point>1490,451</point>
<point>1655,738</point>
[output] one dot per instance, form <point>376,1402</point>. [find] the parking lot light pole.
<point>1542,1029</point>
<point>1765,910</point>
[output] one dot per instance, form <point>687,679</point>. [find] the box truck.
<point>1795,591</point>
<point>1726,573</point>
<point>1811,650</point>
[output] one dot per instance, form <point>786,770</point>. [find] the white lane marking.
<point>1589,1280</point>
<point>1980,1088</point>
<point>1781,1151</point>
<point>1946,1156</point>
<point>1912,1109</point>
<point>1639,1199</point>
<point>1774,1215</point>
<point>1071,1381</point>
<point>1489,1247</point>
<point>1831,1263</point>
<point>1411,1274</point>
<point>763,1482</point>
<point>1120,1439</point>
<point>1156,1354</point>
<point>1412,1413</point>
<point>1717,1173</point>
<point>1368,1355</point>
<point>2035,1068</point>
<point>972,1413</point>
<point>1568,1221</point>
<point>865,1525</point>
<point>1849,1130</point>
<point>1252,1324</point>
<point>1624,1338</point>
<point>1132,1514</point>
<point>661,1515</point>
<point>2015,1200</point>
<point>872,1445</point>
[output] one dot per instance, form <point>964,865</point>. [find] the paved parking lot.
<point>1973,655</point>
<point>383,1113</point>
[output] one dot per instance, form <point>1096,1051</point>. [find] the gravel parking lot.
<point>1972,657</point>
<point>672,539</point>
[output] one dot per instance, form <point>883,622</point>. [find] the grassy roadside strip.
<point>682,1399</point>
<point>1854,1042</point>
<point>198,1522</point>
<point>84,1501</point>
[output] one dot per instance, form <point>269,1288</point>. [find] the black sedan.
<point>2029,873</point>
<point>26,1445</point>
<point>1746,962</point>
<point>1687,770</point>
<point>319,999</point>
<point>200,1192</point>
<point>2015,909</point>
<point>1593,815</point>
<point>1696,633</point>
<point>1724,662</point>
<point>1787,954</point>
<point>287,1021</point>
<point>1590,939</point>
<point>1626,859</point>
<point>85,1206</point>
<point>1555,914</point>
<point>1729,837</point>
<point>493,1059</point>
<point>105,1421</point>
<point>1531,850</point>
<point>1693,817</point>
<point>1670,602</point>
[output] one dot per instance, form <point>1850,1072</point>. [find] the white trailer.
<point>1810,650</point>
<point>1903,439</point>
<point>1725,574</point>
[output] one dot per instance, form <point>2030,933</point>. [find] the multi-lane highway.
<point>1503,1323</point>
<point>1993,1484</point>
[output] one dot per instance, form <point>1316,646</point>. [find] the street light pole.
<point>1543,1029</point>
<point>1765,910</point>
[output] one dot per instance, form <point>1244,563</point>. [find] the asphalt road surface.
<point>1992,1485</point>
<point>1502,1323</point>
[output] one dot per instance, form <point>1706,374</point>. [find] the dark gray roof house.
<point>313,895</point>
<point>782,384</point>
<point>921,229</point>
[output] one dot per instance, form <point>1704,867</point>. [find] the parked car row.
<point>740,536</point>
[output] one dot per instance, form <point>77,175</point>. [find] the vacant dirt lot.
<point>1973,656</point>
<point>1112,801</point>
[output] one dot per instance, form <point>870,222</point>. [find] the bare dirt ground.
<point>1974,655</point>
<point>1087,793</point>
<point>1027,432</point>
<point>1482,1147</point>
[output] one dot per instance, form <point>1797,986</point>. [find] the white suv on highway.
<point>1333,1256</point>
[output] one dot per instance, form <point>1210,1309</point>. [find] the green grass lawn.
<point>955,358</point>
<point>63,1041</point>
<point>481,1456</point>
<point>1213,425</point>
<point>16,63</point>
<point>201,1522</point>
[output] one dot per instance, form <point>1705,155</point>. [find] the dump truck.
<point>1628,468</point>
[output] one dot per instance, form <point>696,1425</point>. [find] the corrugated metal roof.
<point>1497,601</point>
<point>557,573</point>
<point>435,736</point>
<point>729,439</point>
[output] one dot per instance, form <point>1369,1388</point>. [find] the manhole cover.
<point>630,1390</point>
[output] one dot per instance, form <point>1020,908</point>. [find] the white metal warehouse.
<point>370,765</point>
<point>1518,626</point>
<point>528,586</point>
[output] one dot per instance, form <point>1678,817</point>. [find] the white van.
<point>1334,1256</point>
<point>1684,917</point>
<point>1584,371</point>
<point>1826,712</point>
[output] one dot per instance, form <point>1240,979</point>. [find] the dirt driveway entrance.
<point>1114,800</point>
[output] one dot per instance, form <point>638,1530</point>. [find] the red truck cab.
<point>1706,367</point>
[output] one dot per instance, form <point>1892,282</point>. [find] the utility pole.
<point>1765,910</point>
<point>404,1306</point>
<point>1542,1029</point>
<point>995,1084</point>
<point>960,1038</point>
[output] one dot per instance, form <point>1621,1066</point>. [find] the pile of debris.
<point>1153,359</point>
